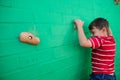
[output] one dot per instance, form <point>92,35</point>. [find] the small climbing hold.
<point>117,2</point>
<point>28,37</point>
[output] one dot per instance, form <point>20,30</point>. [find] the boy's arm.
<point>81,35</point>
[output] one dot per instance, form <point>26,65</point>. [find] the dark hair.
<point>99,23</point>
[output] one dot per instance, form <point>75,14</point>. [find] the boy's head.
<point>99,27</point>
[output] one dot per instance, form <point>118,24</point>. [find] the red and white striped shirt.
<point>103,53</point>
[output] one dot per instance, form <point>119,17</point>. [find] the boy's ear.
<point>104,29</point>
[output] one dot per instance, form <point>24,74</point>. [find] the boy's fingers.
<point>78,21</point>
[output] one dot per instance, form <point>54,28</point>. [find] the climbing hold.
<point>28,37</point>
<point>117,2</point>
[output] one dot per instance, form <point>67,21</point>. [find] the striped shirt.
<point>103,53</point>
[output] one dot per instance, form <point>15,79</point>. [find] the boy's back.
<point>103,53</point>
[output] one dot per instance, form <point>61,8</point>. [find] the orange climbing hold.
<point>28,37</point>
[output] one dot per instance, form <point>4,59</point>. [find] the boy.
<point>103,48</point>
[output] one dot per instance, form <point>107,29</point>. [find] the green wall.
<point>58,56</point>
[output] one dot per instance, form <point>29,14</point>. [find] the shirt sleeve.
<point>95,42</point>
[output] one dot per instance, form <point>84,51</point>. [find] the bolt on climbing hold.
<point>29,38</point>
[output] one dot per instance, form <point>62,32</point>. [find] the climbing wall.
<point>58,56</point>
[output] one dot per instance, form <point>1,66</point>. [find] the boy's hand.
<point>78,23</point>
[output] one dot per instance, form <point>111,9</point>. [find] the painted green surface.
<point>58,56</point>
